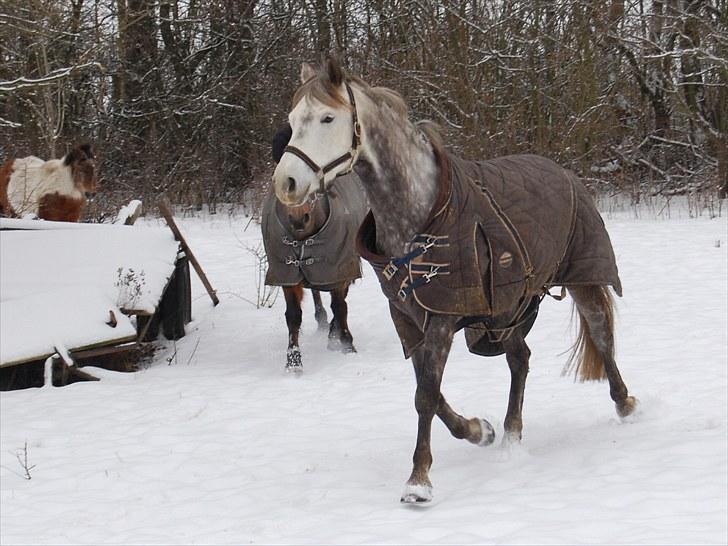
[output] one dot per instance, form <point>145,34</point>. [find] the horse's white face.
<point>324,133</point>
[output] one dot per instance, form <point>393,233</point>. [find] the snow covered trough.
<point>76,286</point>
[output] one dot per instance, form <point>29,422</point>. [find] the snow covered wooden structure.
<point>75,287</point>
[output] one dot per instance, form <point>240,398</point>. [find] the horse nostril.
<point>306,218</point>
<point>291,185</point>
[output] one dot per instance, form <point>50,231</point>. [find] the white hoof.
<point>487,433</point>
<point>293,360</point>
<point>416,493</point>
<point>627,407</point>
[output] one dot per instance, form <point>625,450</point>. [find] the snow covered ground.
<point>214,443</point>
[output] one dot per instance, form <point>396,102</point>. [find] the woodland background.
<point>183,96</point>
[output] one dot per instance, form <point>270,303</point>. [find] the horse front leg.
<point>429,361</point>
<point>293,296</point>
<point>340,337</point>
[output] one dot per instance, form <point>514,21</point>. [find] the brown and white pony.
<point>55,189</point>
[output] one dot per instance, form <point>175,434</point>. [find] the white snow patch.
<point>216,444</point>
<point>59,285</point>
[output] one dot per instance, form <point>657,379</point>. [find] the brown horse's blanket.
<point>329,256</point>
<point>501,232</point>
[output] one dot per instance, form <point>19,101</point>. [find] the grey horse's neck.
<point>400,178</point>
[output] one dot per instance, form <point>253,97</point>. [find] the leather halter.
<point>348,156</point>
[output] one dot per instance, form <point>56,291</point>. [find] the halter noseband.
<point>348,156</point>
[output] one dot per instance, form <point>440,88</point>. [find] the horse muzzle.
<point>290,191</point>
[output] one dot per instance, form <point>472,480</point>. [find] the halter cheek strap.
<point>350,156</point>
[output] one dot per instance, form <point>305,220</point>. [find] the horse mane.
<point>321,88</point>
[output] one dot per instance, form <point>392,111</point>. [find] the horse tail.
<point>586,360</point>
<point>5,172</point>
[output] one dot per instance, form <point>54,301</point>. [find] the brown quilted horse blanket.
<point>500,234</point>
<point>328,257</point>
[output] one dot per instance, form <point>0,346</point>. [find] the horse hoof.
<point>416,493</point>
<point>293,360</point>
<point>345,347</point>
<point>627,406</point>
<point>486,434</point>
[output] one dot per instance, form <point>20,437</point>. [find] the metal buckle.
<point>433,273</point>
<point>291,261</point>
<point>390,270</point>
<point>401,293</point>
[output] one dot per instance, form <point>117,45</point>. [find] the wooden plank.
<point>167,214</point>
<point>109,343</point>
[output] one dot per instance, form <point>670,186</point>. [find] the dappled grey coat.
<point>328,257</point>
<point>501,232</point>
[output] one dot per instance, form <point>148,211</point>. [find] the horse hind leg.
<point>319,312</point>
<point>593,356</point>
<point>293,296</point>
<point>517,356</point>
<point>340,338</point>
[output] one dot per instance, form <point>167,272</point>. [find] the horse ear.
<point>307,72</point>
<point>87,149</point>
<point>73,155</point>
<point>280,141</point>
<point>334,71</point>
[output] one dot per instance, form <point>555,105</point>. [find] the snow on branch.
<point>48,79</point>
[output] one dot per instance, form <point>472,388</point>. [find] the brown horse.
<point>51,190</point>
<point>284,228</point>
<point>456,244</point>
<point>304,221</point>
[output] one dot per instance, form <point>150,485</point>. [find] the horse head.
<point>82,162</point>
<point>308,218</point>
<point>325,135</point>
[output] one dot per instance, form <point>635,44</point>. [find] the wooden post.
<point>129,214</point>
<point>167,214</point>
<point>68,366</point>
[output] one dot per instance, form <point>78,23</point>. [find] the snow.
<point>58,284</point>
<point>213,443</point>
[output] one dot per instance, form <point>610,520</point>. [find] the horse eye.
<point>327,119</point>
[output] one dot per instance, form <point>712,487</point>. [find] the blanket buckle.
<point>390,270</point>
